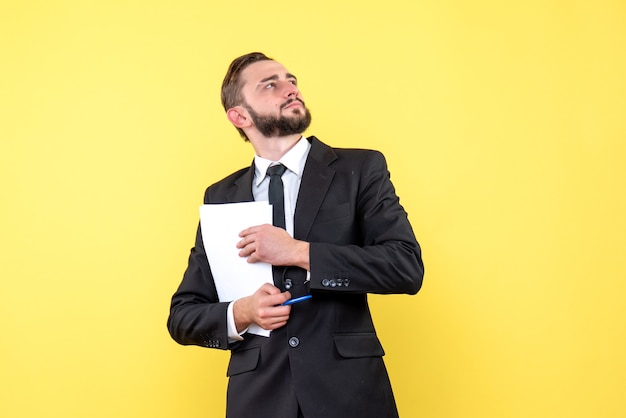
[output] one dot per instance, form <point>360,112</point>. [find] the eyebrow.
<point>275,77</point>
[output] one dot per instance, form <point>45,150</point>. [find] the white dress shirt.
<point>294,160</point>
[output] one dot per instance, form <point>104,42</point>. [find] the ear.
<point>239,117</point>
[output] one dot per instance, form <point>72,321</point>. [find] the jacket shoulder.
<point>324,152</point>
<point>218,191</point>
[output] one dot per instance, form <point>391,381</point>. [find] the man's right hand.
<point>262,308</point>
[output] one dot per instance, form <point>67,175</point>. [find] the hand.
<point>273,245</point>
<point>262,308</point>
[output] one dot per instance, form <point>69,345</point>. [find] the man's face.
<point>272,99</point>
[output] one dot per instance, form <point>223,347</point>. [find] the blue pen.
<point>296,300</point>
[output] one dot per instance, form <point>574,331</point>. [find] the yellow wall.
<point>504,124</point>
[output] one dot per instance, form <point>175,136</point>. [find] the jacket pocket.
<point>243,361</point>
<point>358,345</point>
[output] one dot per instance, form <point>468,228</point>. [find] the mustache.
<point>290,101</point>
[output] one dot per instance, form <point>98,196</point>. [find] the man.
<point>345,236</point>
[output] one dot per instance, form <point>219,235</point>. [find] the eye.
<point>270,85</point>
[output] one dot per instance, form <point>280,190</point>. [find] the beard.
<point>269,125</point>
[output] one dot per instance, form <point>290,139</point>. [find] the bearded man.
<point>339,234</point>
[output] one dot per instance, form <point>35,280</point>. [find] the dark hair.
<point>231,86</point>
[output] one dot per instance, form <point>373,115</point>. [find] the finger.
<point>269,289</point>
<point>275,321</point>
<point>248,231</point>
<point>271,300</point>
<point>279,322</point>
<point>247,250</point>
<point>274,325</point>
<point>246,240</point>
<point>252,258</point>
<point>277,314</point>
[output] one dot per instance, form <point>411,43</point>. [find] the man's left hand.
<point>273,245</point>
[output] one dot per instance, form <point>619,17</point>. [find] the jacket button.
<point>288,284</point>
<point>294,342</point>
<point>325,282</point>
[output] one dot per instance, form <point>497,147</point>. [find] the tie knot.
<point>276,170</point>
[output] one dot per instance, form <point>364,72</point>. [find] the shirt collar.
<point>294,160</point>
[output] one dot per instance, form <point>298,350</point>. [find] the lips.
<point>291,103</point>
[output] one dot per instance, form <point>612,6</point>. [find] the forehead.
<point>261,70</point>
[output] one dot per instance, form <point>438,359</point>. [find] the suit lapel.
<point>242,190</point>
<point>316,180</point>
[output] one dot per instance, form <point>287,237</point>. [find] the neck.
<point>273,148</point>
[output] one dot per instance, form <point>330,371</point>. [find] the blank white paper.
<point>234,277</point>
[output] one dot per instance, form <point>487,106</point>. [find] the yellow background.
<point>504,125</point>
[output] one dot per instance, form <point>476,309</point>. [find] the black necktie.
<point>276,194</point>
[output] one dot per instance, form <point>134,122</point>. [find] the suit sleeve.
<point>196,315</point>
<point>384,256</point>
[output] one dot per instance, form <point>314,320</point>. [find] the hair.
<point>231,86</point>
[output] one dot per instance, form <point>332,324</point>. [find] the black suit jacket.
<point>327,359</point>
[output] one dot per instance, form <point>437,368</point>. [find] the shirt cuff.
<point>233,335</point>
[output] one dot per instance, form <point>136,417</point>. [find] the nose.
<point>291,90</point>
